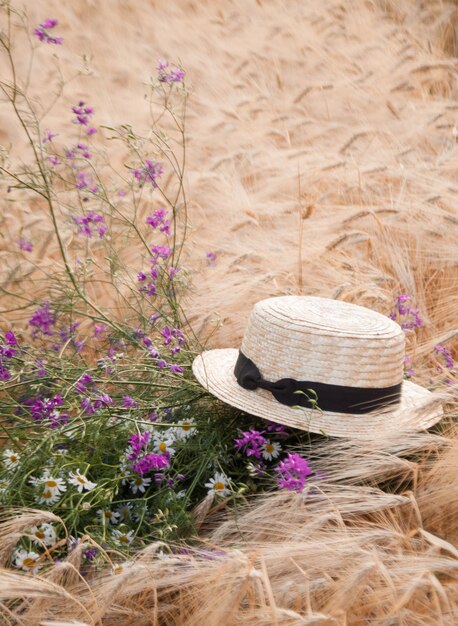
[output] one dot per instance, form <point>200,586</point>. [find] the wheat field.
<point>322,160</point>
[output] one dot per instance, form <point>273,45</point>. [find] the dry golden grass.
<point>321,161</point>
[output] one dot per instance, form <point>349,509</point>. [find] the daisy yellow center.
<point>47,495</point>
<point>124,539</point>
<point>162,446</point>
<point>81,480</point>
<point>13,458</point>
<point>51,483</point>
<point>139,481</point>
<point>186,426</point>
<point>40,534</point>
<point>117,569</point>
<point>107,514</point>
<point>269,448</point>
<point>219,486</point>
<point>29,562</point>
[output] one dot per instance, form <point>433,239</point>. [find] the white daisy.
<point>218,484</point>
<point>186,428</point>
<point>111,517</point>
<point>26,560</point>
<point>124,511</point>
<point>124,472</point>
<point>270,450</point>
<point>122,537</point>
<point>48,497</point>
<point>4,486</point>
<point>139,484</point>
<point>55,485</point>
<point>163,442</point>
<point>44,534</point>
<point>80,481</point>
<point>120,568</point>
<point>10,459</point>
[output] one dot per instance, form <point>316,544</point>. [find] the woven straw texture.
<point>323,340</point>
<point>320,340</point>
<point>417,410</point>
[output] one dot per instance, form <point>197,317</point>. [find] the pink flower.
<point>41,31</point>
<point>25,245</point>
<point>293,472</point>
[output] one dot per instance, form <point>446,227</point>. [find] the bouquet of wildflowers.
<point>102,424</point>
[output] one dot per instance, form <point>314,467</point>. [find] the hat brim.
<point>418,409</point>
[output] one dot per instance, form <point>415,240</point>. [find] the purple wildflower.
<point>45,410</point>
<point>446,354</point>
<point>86,223</point>
<point>82,113</point>
<point>175,369</point>
<point>90,554</point>
<point>149,172</point>
<point>160,252</point>
<point>150,289</point>
<point>408,370</point>
<point>141,276</point>
<point>138,444</point>
<point>129,403</point>
<point>42,320</point>
<point>99,329</point>
<point>39,364</point>
<point>151,461</point>
<point>82,383</point>
<point>158,220</point>
<point>41,31</point>
<point>48,136</point>
<point>169,73</point>
<point>103,400</point>
<point>250,443</point>
<point>87,406</point>
<point>25,245</point>
<point>293,472</point>
<point>53,160</point>
<point>211,258</point>
<point>408,317</point>
<point>91,131</point>
<point>10,338</point>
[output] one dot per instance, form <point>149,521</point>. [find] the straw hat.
<point>342,363</point>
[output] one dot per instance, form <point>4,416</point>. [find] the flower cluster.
<point>445,355</point>
<point>149,172</point>
<point>7,351</point>
<point>50,488</point>
<point>292,472</point>
<point>45,410</point>
<point>90,222</point>
<point>409,371</point>
<point>80,150</point>
<point>253,443</point>
<point>43,320</point>
<point>158,220</point>
<point>25,245</point>
<point>42,32</point>
<point>83,115</point>
<point>169,73</point>
<point>408,317</point>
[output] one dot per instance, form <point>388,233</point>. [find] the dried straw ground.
<point>322,160</point>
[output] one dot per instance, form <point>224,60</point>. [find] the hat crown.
<point>323,340</point>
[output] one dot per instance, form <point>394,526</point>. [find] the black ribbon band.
<point>332,398</point>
